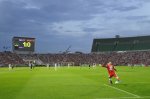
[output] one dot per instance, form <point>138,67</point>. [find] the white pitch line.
<point>123,91</point>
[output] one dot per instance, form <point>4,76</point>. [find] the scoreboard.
<point>25,44</point>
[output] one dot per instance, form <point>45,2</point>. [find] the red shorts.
<point>112,74</point>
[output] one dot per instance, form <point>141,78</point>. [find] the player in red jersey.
<point>111,71</point>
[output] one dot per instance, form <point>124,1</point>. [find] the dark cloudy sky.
<point>56,24</point>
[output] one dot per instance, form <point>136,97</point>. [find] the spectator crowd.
<point>117,58</point>
<point>10,58</point>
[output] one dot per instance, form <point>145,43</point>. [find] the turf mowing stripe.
<point>122,91</point>
<point>140,83</point>
<point>146,97</point>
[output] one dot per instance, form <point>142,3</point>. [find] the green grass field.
<point>73,83</point>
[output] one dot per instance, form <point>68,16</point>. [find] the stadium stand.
<point>118,58</point>
<point>120,51</point>
<point>121,44</point>
<point>10,58</point>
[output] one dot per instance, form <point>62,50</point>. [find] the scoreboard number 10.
<point>27,44</point>
<point>23,44</point>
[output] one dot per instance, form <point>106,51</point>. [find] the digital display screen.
<point>23,44</point>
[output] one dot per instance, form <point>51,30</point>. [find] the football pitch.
<point>73,83</point>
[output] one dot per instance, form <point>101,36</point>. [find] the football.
<point>116,82</point>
